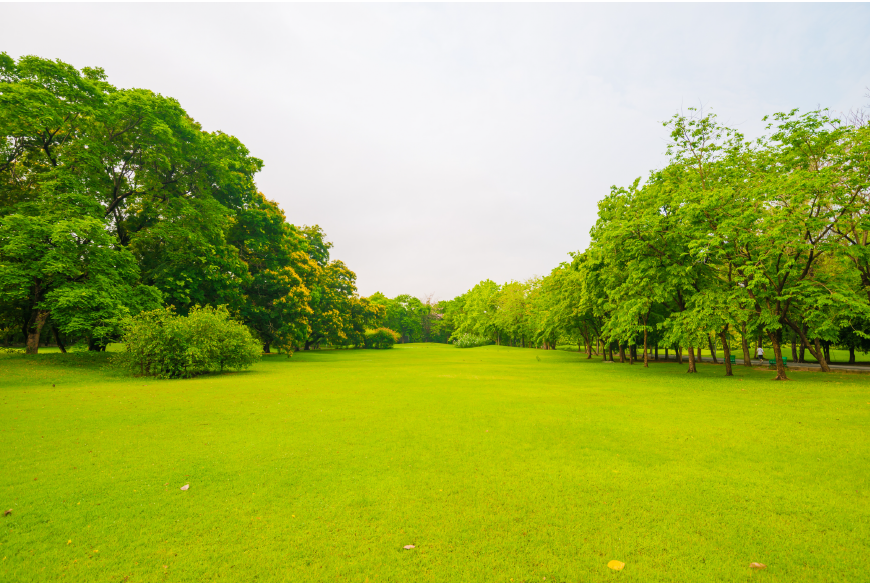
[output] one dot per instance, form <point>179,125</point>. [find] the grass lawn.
<point>498,464</point>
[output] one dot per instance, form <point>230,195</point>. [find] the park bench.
<point>771,361</point>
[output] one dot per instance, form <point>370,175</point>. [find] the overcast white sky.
<point>442,144</point>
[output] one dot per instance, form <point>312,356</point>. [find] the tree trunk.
<point>622,353</point>
<point>778,359</point>
<point>726,356</point>
<point>611,351</point>
<point>645,345</point>
<point>826,352</point>
<point>692,367</point>
<point>802,345</point>
<point>852,354</point>
<point>57,341</point>
<point>746,350</point>
<point>666,353</point>
<point>265,350</point>
<point>713,348</point>
<point>631,354</point>
<point>816,352</point>
<point>34,329</point>
<point>794,351</point>
<point>656,352</point>
<point>699,354</point>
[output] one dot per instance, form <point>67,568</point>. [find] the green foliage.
<point>57,259</point>
<point>380,338</point>
<point>276,300</point>
<point>163,344</point>
<point>414,319</point>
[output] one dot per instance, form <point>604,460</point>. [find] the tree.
<point>276,303</point>
<point>64,265</point>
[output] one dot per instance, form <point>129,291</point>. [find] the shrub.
<point>470,341</point>
<point>163,344</point>
<point>380,338</point>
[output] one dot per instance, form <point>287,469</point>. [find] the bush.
<point>380,338</point>
<point>470,341</point>
<point>163,344</point>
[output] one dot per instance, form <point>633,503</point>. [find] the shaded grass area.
<point>497,463</point>
<point>837,355</point>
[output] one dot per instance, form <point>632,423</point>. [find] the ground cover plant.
<point>496,463</point>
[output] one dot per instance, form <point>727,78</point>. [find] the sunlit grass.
<point>498,464</point>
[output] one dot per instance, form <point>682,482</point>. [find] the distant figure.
<point>760,354</point>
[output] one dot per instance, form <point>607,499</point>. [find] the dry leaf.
<point>616,565</point>
<point>185,487</point>
<point>69,542</point>
<point>757,566</point>
<point>408,547</point>
<point>8,512</point>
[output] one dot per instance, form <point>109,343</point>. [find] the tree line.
<point>733,240</point>
<point>115,202</point>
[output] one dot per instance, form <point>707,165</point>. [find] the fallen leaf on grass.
<point>69,542</point>
<point>616,565</point>
<point>757,566</point>
<point>185,487</point>
<point>408,547</point>
<point>8,512</point>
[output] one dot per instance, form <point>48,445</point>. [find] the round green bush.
<point>380,338</point>
<point>163,344</point>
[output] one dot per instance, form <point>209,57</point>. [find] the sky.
<point>439,145</point>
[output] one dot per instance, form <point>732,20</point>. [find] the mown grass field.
<point>498,464</point>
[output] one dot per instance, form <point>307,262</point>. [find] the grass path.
<point>498,464</point>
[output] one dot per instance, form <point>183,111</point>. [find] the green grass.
<point>498,464</point>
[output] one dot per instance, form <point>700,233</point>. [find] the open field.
<point>498,464</point>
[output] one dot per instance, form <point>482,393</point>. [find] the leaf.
<point>616,565</point>
<point>185,487</point>
<point>757,566</point>
<point>408,547</point>
<point>8,512</point>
